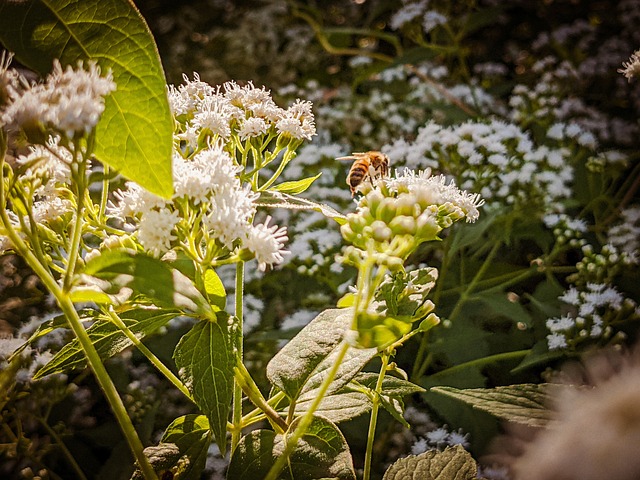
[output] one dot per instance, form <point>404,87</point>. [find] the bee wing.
<point>353,156</point>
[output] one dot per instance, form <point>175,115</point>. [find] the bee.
<point>369,166</point>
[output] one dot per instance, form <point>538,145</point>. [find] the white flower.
<point>632,67</point>
<point>155,230</point>
<point>432,19</point>
<point>267,243</point>
<point>407,13</point>
<point>556,341</point>
<point>252,127</point>
<point>560,324</point>
<point>438,436</point>
<point>70,101</point>
<point>419,446</point>
<point>297,121</point>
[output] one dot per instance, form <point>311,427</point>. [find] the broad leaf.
<point>134,134</point>
<point>108,339</point>
<point>391,386</point>
<point>321,453</point>
<point>282,200</point>
<point>454,463</point>
<point>204,357</point>
<point>524,403</point>
<point>300,366</point>
<point>182,451</point>
<point>296,187</point>
<point>148,277</point>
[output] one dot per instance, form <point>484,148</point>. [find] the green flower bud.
<point>373,200</point>
<point>426,226</point>
<point>387,210</point>
<point>381,232</point>
<point>403,225</point>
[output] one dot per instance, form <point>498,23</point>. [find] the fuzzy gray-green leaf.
<point>523,403</point>
<point>454,463</point>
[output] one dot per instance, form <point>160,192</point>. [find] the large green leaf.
<point>108,339</point>
<point>134,134</point>
<point>454,463</point>
<point>301,365</point>
<point>524,403</point>
<point>204,357</point>
<point>147,277</point>
<point>322,453</point>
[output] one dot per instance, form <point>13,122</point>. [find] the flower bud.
<point>387,210</point>
<point>403,225</point>
<point>381,232</point>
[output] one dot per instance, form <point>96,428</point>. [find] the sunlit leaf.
<point>297,186</point>
<point>134,134</point>
<point>108,339</point>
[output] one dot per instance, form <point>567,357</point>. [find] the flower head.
<point>632,67</point>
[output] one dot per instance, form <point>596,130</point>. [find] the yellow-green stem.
<point>162,368</point>
<point>236,416</point>
<point>374,416</point>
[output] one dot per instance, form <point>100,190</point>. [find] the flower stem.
<point>236,416</point>
<point>374,416</point>
<point>162,368</point>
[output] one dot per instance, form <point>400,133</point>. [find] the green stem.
<point>76,236</point>
<point>374,416</point>
<point>104,196</point>
<point>236,416</point>
<point>305,421</point>
<point>149,354</point>
<point>243,378</point>
<point>498,357</point>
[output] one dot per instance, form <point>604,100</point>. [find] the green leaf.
<point>321,453</point>
<point>204,357</point>
<point>296,187</point>
<point>134,134</point>
<point>182,451</point>
<point>148,277</point>
<point>282,200</point>
<point>524,403</point>
<point>338,407</point>
<point>108,339</point>
<point>500,304</point>
<point>454,463</point>
<point>391,386</point>
<point>215,290</point>
<point>59,321</point>
<point>300,366</point>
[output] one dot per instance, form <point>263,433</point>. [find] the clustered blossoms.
<point>497,159</point>
<point>566,229</point>
<point>235,114</point>
<point>595,311</point>
<point>69,102</point>
<point>209,199</point>
<point>402,212</point>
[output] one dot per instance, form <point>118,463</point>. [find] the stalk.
<point>374,417</point>
<point>236,416</point>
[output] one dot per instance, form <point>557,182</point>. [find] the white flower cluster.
<point>626,235</point>
<point>69,101</point>
<point>566,229</point>
<point>497,159</point>
<point>632,67</point>
<point>247,111</point>
<point>413,10</point>
<point>435,190</point>
<point>594,311</point>
<point>438,439</point>
<point>208,184</point>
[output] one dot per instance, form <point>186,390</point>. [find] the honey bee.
<point>369,166</point>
